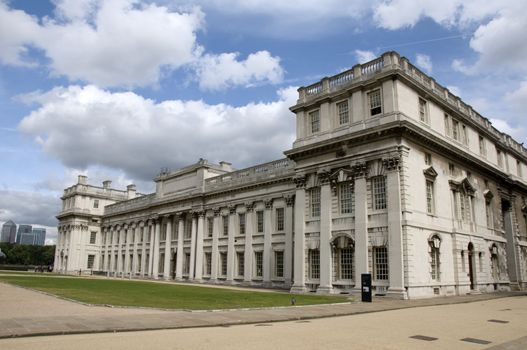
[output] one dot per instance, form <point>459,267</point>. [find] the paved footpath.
<point>26,313</point>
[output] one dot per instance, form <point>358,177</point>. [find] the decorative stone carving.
<point>300,180</point>
<point>249,206</point>
<point>360,169</point>
<point>391,163</point>
<point>323,176</point>
<point>217,211</point>
<point>232,209</point>
<point>268,203</point>
<point>290,200</point>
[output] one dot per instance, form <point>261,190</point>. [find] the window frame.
<point>314,202</point>
<point>258,264</point>
<point>376,109</point>
<point>423,110</point>
<point>346,197</point>
<point>279,264</point>
<point>314,121</point>
<point>379,198</point>
<point>280,219</point>
<point>380,264</point>
<point>343,113</point>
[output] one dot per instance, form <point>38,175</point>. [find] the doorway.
<point>471,266</point>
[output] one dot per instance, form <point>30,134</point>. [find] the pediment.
<point>468,186</point>
<point>430,172</point>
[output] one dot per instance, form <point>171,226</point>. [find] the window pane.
<point>279,264</point>
<point>314,264</point>
<point>374,98</point>
<point>279,219</point>
<point>258,257</point>
<point>346,197</point>
<point>314,118</point>
<point>379,192</point>
<point>380,259</point>
<point>315,201</point>
<point>343,112</point>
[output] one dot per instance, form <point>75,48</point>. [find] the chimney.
<point>107,184</point>
<point>225,165</point>
<point>83,180</point>
<point>130,191</point>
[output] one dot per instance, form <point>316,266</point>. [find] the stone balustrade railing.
<point>93,190</point>
<point>257,173</point>
<point>392,61</point>
<point>130,204</point>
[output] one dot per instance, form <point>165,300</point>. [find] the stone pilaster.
<point>143,250</point>
<point>180,253</point>
<point>288,252</point>
<point>249,230</point>
<point>127,262</point>
<point>199,247</point>
<point>268,234</point>
<point>193,246</point>
<point>168,242</point>
<point>135,262</point>
<point>151,233</point>
<point>155,260</point>
<point>326,261</point>
<point>231,254</point>
<point>361,223</point>
<point>215,252</point>
<point>299,285</point>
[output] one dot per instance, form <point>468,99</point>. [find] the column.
<point>248,254</point>
<point>113,240</point>
<point>299,285</point>
<point>268,229</point>
<point>361,225</point>
<point>168,242</point>
<point>215,253</point>
<point>193,247</point>
<point>231,254</point>
<point>199,246</point>
<point>288,252</point>
<point>395,232</point>
<point>135,261</point>
<point>127,262</point>
<point>107,237</point>
<point>326,267</point>
<point>120,235</point>
<point>155,260</point>
<point>143,250</point>
<point>179,252</point>
<point>151,234</point>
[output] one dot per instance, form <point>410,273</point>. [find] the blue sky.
<point>118,89</point>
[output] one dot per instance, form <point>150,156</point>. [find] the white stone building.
<point>390,174</point>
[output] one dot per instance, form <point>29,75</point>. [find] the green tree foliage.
<point>17,254</point>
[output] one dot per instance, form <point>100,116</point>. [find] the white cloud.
<point>364,56</point>
<point>424,62</point>
<point>517,99</point>
<point>29,207</point>
<point>126,131</point>
<point>216,72</point>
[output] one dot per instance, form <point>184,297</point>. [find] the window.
<point>186,265</point>
<point>451,169</point>
<point>225,225</point>
<point>447,125</point>
<point>240,258</point>
<point>210,226</point>
<point>314,119</point>
<point>314,263</point>
<point>346,197</point>
<point>241,220</point>
<point>258,262</point>
<point>482,147</point>
<point>223,264</point>
<point>434,245</point>
<point>519,168</point>
<point>380,263</point>
<point>343,111</point>
<point>375,102</point>
<point>142,233</point>
<point>429,196</point>
<point>93,237</point>
<point>260,221</point>
<point>279,264</point>
<point>279,219</point>
<point>379,192</point>
<point>500,158</point>
<point>428,159</point>
<point>455,130</point>
<point>465,135</point>
<point>96,203</point>
<point>314,201</point>
<point>91,260</point>
<point>423,115</point>
<point>489,214</point>
<point>163,235</point>
<point>345,259</point>
<point>208,263</point>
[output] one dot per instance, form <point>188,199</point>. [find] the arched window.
<point>434,244</point>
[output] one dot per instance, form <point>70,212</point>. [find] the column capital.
<point>290,200</point>
<point>391,163</point>
<point>216,211</point>
<point>323,176</point>
<point>232,209</point>
<point>300,180</point>
<point>360,169</point>
<point>249,206</point>
<point>268,203</point>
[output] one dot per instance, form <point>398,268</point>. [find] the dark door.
<point>471,265</point>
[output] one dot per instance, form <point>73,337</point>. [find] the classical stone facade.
<point>389,174</point>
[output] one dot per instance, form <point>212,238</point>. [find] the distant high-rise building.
<point>25,234</point>
<point>39,235</point>
<point>8,232</point>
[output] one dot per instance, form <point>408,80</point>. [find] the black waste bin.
<point>366,287</point>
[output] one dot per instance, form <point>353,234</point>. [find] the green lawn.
<point>160,295</point>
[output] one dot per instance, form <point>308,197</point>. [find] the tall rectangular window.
<point>455,130</point>
<point>482,147</point>
<point>488,213</point>
<point>464,134</point>
<point>428,158</point>
<point>96,203</point>
<point>223,264</point>
<point>225,219</point>
<point>423,115</point>
<point>210,226</point>
<point>314,120</point>
<point>375,102</point>
<point>208,263</point>
<point>447,125</point>
<point>279,219</point>
<point>314,263</point>
<point>240,258</point>
<point>429,196</point>
<point>519,168</point>
<point>380,263</point>
<point>346,195</point>
<point>434,261</point>
<point>241,219</point>
<point>378,184</point>
<point>163,235</point>
<point>314,201</point>
<point>186,264</point>
<point>260,221</point>
<point>500,158</point>
<point>93,237</point>
<point>343,111</point>
<point>345,258</point>
<point>279,264</point>
<point>258,264</point>
<point>90,262</point>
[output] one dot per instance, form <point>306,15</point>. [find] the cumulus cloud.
<point>85,126</point>
<point>424,62</point>
<point>364,56</point>
<point>29,207</point>
<point>216,72</point>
